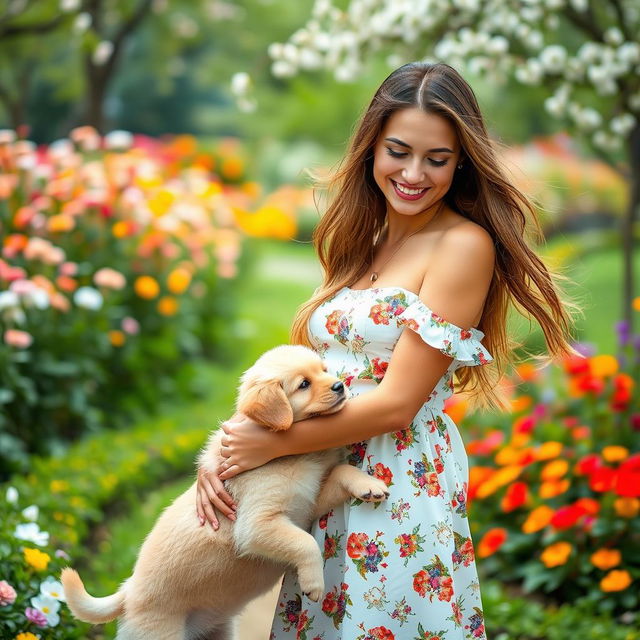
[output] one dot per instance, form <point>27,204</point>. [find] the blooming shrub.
<point>116,259</point>
<point>32,603</point>
<point>555,485</point>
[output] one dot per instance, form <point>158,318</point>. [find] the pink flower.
<point>37,617</point>
<point>17,338</point>
<point>68,269</point>
<point>109,278</point>
<point>7,593</point>
<point>130,325</point>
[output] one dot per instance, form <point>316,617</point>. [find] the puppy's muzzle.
<point>338,388</point>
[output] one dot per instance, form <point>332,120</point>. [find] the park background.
<point>156,217</point>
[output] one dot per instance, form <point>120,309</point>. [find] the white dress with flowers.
<point>403,569</point>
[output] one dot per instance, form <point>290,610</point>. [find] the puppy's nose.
<point>338,387</point>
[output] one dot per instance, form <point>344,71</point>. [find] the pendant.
<point>374,277</point>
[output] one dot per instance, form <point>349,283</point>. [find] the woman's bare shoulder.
<point>466,242</point>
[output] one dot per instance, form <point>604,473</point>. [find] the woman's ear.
<point>266,404</point>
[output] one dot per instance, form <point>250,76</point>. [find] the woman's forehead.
<point>419,128</point>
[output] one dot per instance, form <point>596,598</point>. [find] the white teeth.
<point>409,192</point>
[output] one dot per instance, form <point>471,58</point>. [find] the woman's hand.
<point>210,493</point>
<point>246,445</point>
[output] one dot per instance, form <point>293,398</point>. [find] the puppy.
<point>189,581</point>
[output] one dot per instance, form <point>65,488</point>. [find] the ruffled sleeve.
<point>463,345</point>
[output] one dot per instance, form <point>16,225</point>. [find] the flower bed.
<point>555,485</point>
<point>116,259</point>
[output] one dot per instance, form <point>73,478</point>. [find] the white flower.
<point>579,5</point>
<point>553,58</point>
<point>240,83</point>
<point>102,52</point>
<point>49,607</point>
<point>31,512</point>
<point>60,149</point>
<point>12,495</point>
<point>629,52</point>
<point>69,5</point>
<point>8,299</point>
<point>82,22</point>
<point>589,52</point>
<point>52,588</point>
<point>605,141</point>
<point>613,35</point>
<point>623,124</point>
<point>31,532</point>
<point>88,298</point>
<point>274,50</point>
<point>497,45</point>
<point>7,136</point>
<point>282,69</point>
<point>37,297</point>
<point>588,118</point>
<point>634,101</point>
<point>118,139</point>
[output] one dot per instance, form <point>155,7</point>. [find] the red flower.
<point>491,541</point>
<point>588,464</point>
<point>380,633</point>
<point>566,517</point>
<point>603,479</point>
<point>330,603</point>
<point>515,496</point>
<point>420,582</point>
<point>356,545</point>
<point>383,473</point>
<point>575,365</point>
<point>379,368</point>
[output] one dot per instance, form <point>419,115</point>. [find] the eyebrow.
<point>408,146</point>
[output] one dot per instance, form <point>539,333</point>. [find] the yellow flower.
<point>57,486</point>
<point>232,168</point>
<point>554,470</point>
<point>167,306</point>
<point>178,280</point>
<point>117,338</point>
<point>60,223</point>
<point>36,558</point>
<point>146,287</point>
<point>538,519</point>
<point>548,450</point>
<point>120,229</point>
<point>616,580</point>
<point>26,635</point>
<point>553,488</point>
<point>556,554</point>
<point>161,202</point>
<point>635,303</point>
<point>627,507</point>
<point>603,366</point>
<point>615,453</point>
<point>606,558</point>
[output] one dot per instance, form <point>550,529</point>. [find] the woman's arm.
<point>454,288</point>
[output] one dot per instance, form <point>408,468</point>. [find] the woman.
<point>425,233</point>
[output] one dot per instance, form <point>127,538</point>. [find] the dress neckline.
<point>474,330</point>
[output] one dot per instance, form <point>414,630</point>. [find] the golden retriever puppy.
<point>189,580</point>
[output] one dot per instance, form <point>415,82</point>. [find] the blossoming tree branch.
<point>586,53</point>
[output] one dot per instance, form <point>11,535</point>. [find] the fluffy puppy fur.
<point>189,580</point>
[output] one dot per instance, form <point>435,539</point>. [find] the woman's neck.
<point>398,227</point>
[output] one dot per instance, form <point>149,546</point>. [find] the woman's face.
<point>415,159</point>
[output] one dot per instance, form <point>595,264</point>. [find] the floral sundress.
<point>403,569</point>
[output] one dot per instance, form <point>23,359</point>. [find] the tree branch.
<point>16,30</point>
<point>617,7</point>
<point>586,23</point>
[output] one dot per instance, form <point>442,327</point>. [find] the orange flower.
<point>556,554</point>
<point>60,223</point>
<point>548,450</point>
<point>627,507</point>
<point>491,541</point>
<point>527,371</point>
<point>588,505</point>
<point>635,303</point>
<point>179,280</point>
<point>146,287</point>
<point>606,558</point>
<point>538,519</point>
<point>498,479</point>
<point>121,229</point>
<point>455,407</point>
<point>616,580</point>
<point>615,453</point>
<point>167,306</point>
<point>521,403</point>
<point>603,366</point>
<point>66,283</point>
<point>232,168</point>
<point>117,338</point>
<point>554,470</point>
<point>553,488</point>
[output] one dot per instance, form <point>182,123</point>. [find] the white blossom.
<point>7,136</point>
<point>49,607</point>
<point>82,22</point>
<point>31,512</point>
<point>53,589</point>
<point>579,5</point>
<point>102,52</point>
<point>12,495</point>
<point>282,69</point>
<point>88,298</point>
<point>614,36</point>
<point>240,83</point>
<point>31,532</point>
<point>629,52</point>
<point>622,124</point>
<point>553,58</point>
<point>8,299</point>
<point>118,139</point>
<point>69,5</point>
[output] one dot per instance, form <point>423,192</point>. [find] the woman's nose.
<point>413,173</point>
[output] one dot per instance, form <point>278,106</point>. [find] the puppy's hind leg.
<point>275,537</point>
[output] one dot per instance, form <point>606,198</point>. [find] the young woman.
<point>423,249</point>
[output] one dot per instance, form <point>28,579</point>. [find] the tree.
<point>586,53</point>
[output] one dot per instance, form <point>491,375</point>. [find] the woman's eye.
<point>438,163</point>
<point>304,384</point>
<point>395,154</point>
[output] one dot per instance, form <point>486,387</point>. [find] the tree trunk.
<point>97,82</point>
<point>628,227</point>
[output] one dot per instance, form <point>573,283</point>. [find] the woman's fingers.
<point>230,471</point>
<point>208,510</point>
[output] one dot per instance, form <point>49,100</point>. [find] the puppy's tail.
<point>84,606</point>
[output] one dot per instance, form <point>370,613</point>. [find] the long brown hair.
<point>480,191</point>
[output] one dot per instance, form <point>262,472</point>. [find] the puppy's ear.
<point>267,404</point>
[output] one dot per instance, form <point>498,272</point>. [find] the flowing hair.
<point>480,191</point>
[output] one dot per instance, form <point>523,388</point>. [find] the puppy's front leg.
<point>277,538</point>
<point>346,481</point>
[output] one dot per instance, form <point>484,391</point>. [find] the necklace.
<point>376,274</point>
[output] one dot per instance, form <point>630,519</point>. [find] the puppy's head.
<point>287,384</point>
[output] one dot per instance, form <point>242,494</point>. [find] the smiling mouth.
<point>407,193</point>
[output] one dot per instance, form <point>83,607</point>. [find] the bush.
<point>116,264</point>
<point>555,485</point>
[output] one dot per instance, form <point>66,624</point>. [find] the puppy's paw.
<point>315,594</point>
<point>312,584</point>
<point>369,489</point>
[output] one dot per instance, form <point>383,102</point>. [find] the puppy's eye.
<point>304,384</point>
